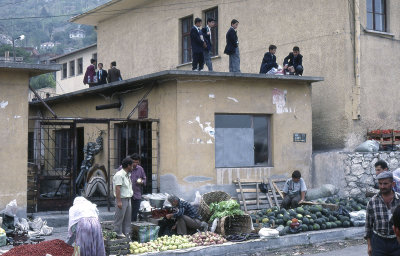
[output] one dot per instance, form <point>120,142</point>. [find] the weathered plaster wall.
<point>323,32</point>
<point>379,81</point>
<point>186,109</point>
<point>13,137</point>
<point>197,104</point>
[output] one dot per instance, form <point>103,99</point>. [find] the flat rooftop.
<point>32,69</point>
<point>171,74</point>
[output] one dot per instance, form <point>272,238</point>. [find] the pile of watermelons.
<point>313,217</point>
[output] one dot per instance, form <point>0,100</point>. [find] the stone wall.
<point>360,170</point>
<point>352,172</point>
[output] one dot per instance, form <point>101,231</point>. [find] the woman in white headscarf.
<point>84,228</point>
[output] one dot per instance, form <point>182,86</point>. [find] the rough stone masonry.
<point>360,170</point>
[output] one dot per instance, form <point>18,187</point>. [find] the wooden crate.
<point>251,198</point>
<point>117,246</point>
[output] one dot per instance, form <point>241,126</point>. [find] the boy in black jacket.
<point>293,63</point>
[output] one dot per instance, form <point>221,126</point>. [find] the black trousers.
<point>198,61</point>
<point>135,208</point>
<point>384,246</point>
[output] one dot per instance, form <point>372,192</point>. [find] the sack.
<point>326,190</point>
<point>268,233</point>
<point>11,208</point>
<point>148,233</point>
<point>3,240</point>
<point>263,187</point>
<point>368,146</point>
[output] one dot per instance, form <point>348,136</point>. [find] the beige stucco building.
<point>352,45</point>
<point>195,132</point>
<point>73,67</point>
<point>14,81</point>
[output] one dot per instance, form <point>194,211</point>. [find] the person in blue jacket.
<point>198,45</point>
<point>269,60</point>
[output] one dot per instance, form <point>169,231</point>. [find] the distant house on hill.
<point>47,45</point>
<point>77,34</point>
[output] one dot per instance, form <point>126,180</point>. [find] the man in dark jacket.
<point>198,45</point>
<point>269,60</point>
<point>294,62</point>
<point>113,73</point>
<point>101,75</point>
<point>207,38</point>
<point>232,47</point>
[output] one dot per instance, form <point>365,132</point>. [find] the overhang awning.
<point>108,10</point>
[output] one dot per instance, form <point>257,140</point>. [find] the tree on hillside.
<point>43,81</point>
<point>19,52</point>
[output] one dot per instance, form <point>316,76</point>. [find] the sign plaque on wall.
<point>299,137</point>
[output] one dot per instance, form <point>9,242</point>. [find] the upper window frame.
<point>186,35</point>
<point>214,30</point>
<point>64,71</point>
<point>373,12</point>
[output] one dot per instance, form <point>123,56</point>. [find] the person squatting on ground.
<point>198,45</point>
<point>294,191</point>
<point>207,38</point>
<point>84,228</point>
<point>379,231</point>
<point>232,47</point>
<point>186,216</point>
<point>293,63</point>
<point>269,60</point>
<point>123,194</point>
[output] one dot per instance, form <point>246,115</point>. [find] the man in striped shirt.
<point>186,216</point>
<point>378,225</point>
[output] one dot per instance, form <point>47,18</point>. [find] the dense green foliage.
<point>43,81</point>
<point>20,52</point>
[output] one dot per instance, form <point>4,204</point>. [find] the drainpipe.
<point>356,91</point>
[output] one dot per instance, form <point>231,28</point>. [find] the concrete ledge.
<point>253,246</point>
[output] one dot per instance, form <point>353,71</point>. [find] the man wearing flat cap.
<point>378,224</point>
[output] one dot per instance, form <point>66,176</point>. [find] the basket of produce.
<point>209,198</point>
<point>233,225</point>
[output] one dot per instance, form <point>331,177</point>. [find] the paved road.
<point>358,250</point>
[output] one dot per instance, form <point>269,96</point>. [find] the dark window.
<point>72,68</point>
<point>187,24</point>
<point>242,140</point>
<point>31,151</point>
<point>136,137</point>
<point>64,70</point>
<point>376,15</point>
<point>94,56</point>
<point>213,13</point>
<point>80,66</point>
<point>62,148</point>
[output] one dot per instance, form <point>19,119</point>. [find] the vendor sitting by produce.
<point>186,217</point>
<point>294,191</point>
